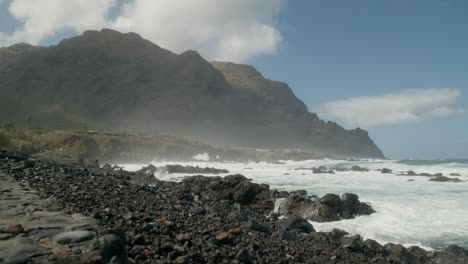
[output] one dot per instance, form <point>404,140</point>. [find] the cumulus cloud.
<point>218,29</point>
<point>43,18</point>
<point>405,107</point>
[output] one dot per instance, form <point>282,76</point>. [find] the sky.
<point>398,68</point>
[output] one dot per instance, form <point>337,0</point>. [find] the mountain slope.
<point>108,80</point>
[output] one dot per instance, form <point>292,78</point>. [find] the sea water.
<point>429,214</point>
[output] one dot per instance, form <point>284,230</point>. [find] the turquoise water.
<point>419,212</point>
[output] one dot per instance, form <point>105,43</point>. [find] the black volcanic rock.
<point>106,79</point>
<point>328,208</point>
<point>136,223</point>
<point>444,179</point>
<point>194,169</point>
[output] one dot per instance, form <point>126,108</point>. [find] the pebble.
<point>224,237</point>
<point>14,229</point>
<point>181,260</point>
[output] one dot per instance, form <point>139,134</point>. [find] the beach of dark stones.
<point>55,212</point>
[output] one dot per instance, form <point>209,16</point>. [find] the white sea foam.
<point>419,212</point>
<point>202,157</point>
<point>278,204</point>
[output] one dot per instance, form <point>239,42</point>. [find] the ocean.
<point>410,209</point>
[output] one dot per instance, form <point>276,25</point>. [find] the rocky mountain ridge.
<point>109,80</point>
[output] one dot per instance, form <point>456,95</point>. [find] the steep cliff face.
<point>108,80</point>
<point>287,115</point>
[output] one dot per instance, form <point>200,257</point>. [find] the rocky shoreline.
<point>131,217</point>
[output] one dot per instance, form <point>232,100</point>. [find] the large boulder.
<point>444,179</point>
<point>297,223</point>
<point>235,188</point>
<point>113,248</point>
<point>328,208</point>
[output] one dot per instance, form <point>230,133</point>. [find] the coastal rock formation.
<point>445,179</point>
<point>109,80</point>
<point>168,222</point>
<point>328,208</point>
<point>436,177</point>
<point>234,188</point>
<point>319,170</point>
<point>194,169</point>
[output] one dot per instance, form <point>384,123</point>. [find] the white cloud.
<point>405,107</point>
<point>218,29</point>
<point>43,18</point>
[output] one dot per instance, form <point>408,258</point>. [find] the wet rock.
<point>399,253</point>
<point>328,208</point>
<point>13,229</point>
<point>444,179</point>
<point>91,257</point>
<point>129,216</point>
<point>322,169</point>
<point>300,192</point>
<point>338,234</point>
<point>331,199</point>
<point>181,260</point>
<point>113,247</point>
<point>386,171</point>
<point>244,255</point>
<point>5,236</point>
<point>350,204</point>
<point>446,258</point>
<point>365,209</point>
<point>184,237</point>
<point>425,174</point>
<point>286,235</point>
<point>224,237</point>
<point>234,188</point>
<point>199,210</point>
<point>298,224</point>
<point>419,254</point>
<point>194,170</point>
<point>456,250</point>
<point>72,237</point>
<point>375,247</point>
<point>20,250</point>
<point>256,226</point>
<point>357,168</point>
<point>244,192</point>
<point>167,247</point>
<point>150,169</point>
<point>352,242</point>
<point>138,239</point>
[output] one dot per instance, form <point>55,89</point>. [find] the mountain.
<point>109,80</point>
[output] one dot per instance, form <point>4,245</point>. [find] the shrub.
<point>5,140</point>
<point>8,126</point>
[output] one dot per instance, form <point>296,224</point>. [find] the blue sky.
<point>335,50</point>
<point>396,68</point>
